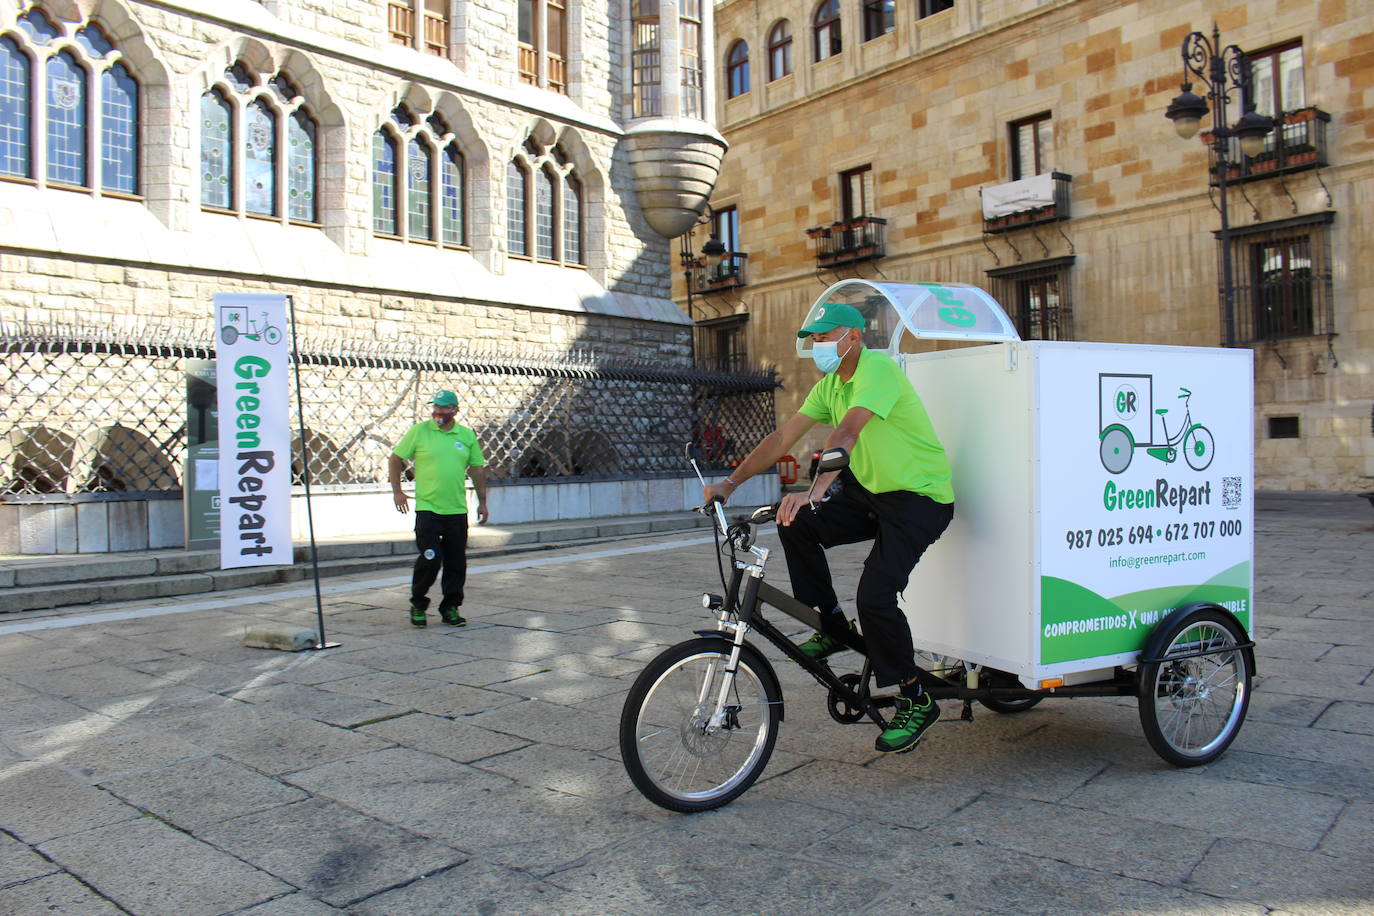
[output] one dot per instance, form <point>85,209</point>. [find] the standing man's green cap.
<point>444,399</point>
<point>831,316</point>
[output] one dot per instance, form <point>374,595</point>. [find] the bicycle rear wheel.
<point>1192,705</point>
<point>672,753</point>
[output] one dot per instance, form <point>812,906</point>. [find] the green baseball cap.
<point>833,315</point>
<point>444,399</point>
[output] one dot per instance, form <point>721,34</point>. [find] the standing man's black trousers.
<point>901,525</point>
<point>443,542</point>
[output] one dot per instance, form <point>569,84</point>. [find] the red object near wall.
<point>788,469</point>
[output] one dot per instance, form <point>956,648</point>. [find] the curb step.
<point>34,583</point>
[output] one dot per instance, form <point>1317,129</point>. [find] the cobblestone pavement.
<point>153,765</point>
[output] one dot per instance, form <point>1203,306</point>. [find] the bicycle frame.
<point>741,612</point>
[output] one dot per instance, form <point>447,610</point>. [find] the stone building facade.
<point>868,139</point>
<point>421,176</point>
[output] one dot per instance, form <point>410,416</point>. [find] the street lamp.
<point>1221,71</point>
<point>713,253</point>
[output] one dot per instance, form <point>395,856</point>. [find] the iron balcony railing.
<point>731,273</point>
<point>849,241</point>
<point>1297,143</point>
<point>1036,215</point>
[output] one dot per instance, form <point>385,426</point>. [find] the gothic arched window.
<point>73,74</point>
<point>517,217</point>
<point>552,204</point>
<point>418,170</point>
<point>258,147</point>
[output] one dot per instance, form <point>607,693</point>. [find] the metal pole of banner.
<point>320,642</point>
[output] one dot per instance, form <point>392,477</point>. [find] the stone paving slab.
<point>56,893</point>
<point>434,771</point>
<point>335,854</point>
<point>198,792</point>
<point>1317,884</point>
<point>485,888</point>
<point>173,873</point>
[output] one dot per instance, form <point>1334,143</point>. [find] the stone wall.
<point>351,75</point>
<point>928,106</point>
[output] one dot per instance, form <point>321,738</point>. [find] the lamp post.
<point>1222,71</point>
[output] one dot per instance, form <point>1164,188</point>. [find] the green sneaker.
<point>452,617</point>
<point>417,616</point>
<point>908,725</point>
<point>821,646</point>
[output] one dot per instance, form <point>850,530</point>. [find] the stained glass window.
<point>419,161</point>
<point>119,131</point>
<point>66,121</point>
<point>15,139</point>
<point>216,153</point>
<point>452,172</point>
<point>260,160</point>
<point>283,88</point>
<point>543,214</point>
<point>239,77</point>
<point>89,103</point>
<point>38,27</point>
<point>516,219</point>
<point>94,41</point>
<point>572,220</point>
<point>300,166</point>
<point>383,183</point>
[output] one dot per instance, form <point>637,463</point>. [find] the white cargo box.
<point>1097,486</point>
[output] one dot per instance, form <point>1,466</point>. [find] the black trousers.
<point>901,525</point>
<point>443,543</point>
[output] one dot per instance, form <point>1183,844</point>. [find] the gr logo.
<point>1126,401</point>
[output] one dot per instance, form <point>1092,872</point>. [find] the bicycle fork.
<point>725,715</point>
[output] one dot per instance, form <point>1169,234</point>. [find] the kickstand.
<point>966,715</point>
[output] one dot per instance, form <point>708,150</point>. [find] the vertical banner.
<point>254,363</point>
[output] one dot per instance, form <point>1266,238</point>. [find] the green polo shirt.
<point>897,449</point>
<point>442,460</point>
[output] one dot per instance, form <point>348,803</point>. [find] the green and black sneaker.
<point>452,617</point>
<point>821,645</point>
<point>908,725</point>
<point>417,616</point>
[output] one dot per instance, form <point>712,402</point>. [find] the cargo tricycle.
<point>1062,574</point>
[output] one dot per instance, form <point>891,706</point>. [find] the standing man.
<point>895,492</point>
<point>446,454</point>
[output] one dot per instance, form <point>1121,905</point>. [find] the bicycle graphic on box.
<point>1126,422</point>
<point>237,323</point>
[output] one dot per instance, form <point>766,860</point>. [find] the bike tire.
<point>670,757</point>
<point>1010,707</point>
<point>1191,709</point>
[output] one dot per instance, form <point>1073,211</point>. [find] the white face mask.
<point>827,356</point>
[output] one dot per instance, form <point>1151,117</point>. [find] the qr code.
<point>1230,492</point>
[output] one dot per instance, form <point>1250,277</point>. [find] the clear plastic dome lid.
<point>929,311</point>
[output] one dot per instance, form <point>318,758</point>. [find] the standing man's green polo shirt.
<point>442,460</point>
<point>897,449</point>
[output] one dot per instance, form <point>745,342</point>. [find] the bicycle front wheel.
<point>675,754</point>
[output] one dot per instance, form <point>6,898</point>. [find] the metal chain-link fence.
<point>87,411</point>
